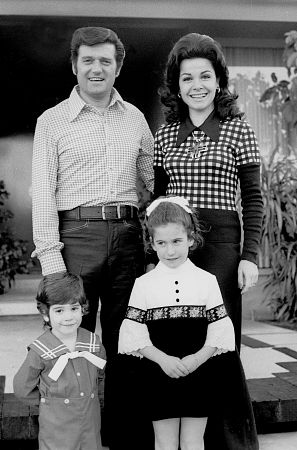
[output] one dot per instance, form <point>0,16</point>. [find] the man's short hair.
<point>94,36</point>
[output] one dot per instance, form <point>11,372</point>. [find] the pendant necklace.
<point>198,148</point>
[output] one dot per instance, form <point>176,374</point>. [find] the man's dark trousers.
<point>109,256</point>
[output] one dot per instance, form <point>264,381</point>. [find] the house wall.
<point>266,10</point>
<point>35,37</point>
<point>15,170</point>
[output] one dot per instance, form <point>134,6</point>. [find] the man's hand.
<point>149,267</point>
<point>54,276</point>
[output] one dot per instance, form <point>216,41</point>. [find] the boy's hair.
<point>94,36</point>
<point>60,289</point>
<point>169,212</point>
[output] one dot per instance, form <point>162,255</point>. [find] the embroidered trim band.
<point>176,312</point>
<point>217,313</point>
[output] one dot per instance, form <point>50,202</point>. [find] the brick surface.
<point>251,342</point>
<point>274,399</point>
<point>17,420</point>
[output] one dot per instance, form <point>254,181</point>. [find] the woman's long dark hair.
<point>196,45</point>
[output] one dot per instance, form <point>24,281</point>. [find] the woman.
<point>202,153</point>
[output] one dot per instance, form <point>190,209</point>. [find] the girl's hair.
<point>168,212</point>
<point>194,45</point>
<point>60,289</point>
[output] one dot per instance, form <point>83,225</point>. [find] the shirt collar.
<point>48,346</point>
<point>210,127</point>
<point>77,104</point>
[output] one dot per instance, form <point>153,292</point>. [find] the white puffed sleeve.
<point>134,333</point>
<point>220,331</point>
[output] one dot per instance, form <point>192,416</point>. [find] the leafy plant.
<point>279,235</point>
<point>12,251</point>
<point>290,50</point>
<point>279,188</point>
<point>281,97</point>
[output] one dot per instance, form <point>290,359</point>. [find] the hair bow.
<point>181,201</point>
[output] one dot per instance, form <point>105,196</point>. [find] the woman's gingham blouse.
<point>209,178</point>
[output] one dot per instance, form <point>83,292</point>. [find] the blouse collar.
<point>182,268</point>
<point>210,127</point>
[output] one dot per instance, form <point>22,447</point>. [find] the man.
<point>88,151</point>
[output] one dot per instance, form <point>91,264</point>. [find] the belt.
<point>104,212</point>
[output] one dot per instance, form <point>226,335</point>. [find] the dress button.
<point>82,394</point>
<point>176,282</point>
<point>78,374</point>
<point>177,291</point>
<point>177,299</point>
<point>92,395</point>
<point>66,400</point>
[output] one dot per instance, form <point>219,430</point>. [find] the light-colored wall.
<point>16,150</point>
<point>15,171</point>
<point>266,10</point>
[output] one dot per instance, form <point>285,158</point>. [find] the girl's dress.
<point>179,311</point>
<point>69,408</point>
<point>206,165</point>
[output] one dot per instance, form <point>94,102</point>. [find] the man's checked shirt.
<point>83,157</point>
<point>209,178</point>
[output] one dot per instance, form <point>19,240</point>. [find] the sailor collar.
<point>48,346</point>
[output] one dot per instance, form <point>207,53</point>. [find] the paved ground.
<point>269,353</point>
<point>16,332</point>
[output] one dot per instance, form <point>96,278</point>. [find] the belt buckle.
<point>103,212</point>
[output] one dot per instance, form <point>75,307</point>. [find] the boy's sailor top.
<point>165,294</point>
<point>69,409</point>
<point>82,350</point>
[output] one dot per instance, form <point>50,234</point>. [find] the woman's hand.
<point>247,275</point>
<point>173,366</point>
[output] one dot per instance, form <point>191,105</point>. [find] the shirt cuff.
<point>51,263</point>
<point>249,256</point>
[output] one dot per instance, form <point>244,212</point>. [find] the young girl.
<point>177,323</point>
<point>61,370</point>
